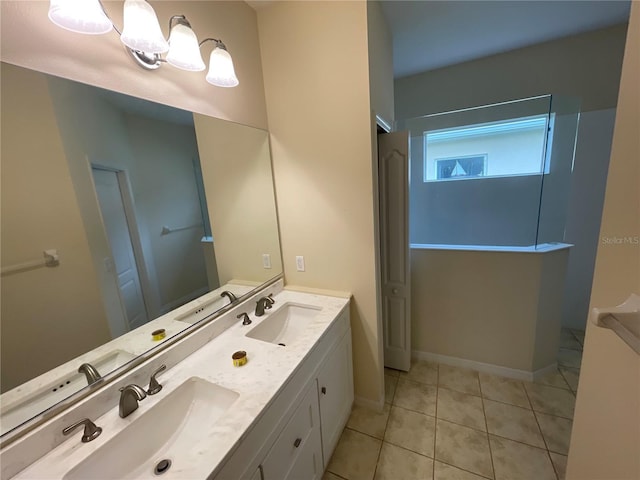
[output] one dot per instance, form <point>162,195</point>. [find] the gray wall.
<point>589,180</point>
<point>586,66</point>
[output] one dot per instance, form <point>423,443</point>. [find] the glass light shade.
<point>81,16</point>
<point>221,72</point>
<point>184,51</point>
<point>141,28</point>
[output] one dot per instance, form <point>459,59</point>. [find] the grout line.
<point>362,433</point>
<point>409,450</point>
<point>543,438</point>
<point>486,425</point>
<point>463,469</point>
<point>335,474</point>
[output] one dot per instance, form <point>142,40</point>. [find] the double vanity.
<point>278,416</point>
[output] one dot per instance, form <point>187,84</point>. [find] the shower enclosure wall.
<point>489,191</point>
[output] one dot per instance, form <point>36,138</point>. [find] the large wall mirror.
<point>120,217</point>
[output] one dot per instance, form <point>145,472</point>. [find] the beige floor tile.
<point>411,430</point>
<point>553,379</point>
<point>330,476</point>
<point>366,420</point>
<point>390,383</point>
<point>513,422</point>
<point>463,447</point>
<point>572,376</point>
<point>553,401</point>
<point>422,372</point>
<point>569,358</point>
<point>560,464</point>
<point>568,340</point>
<point>556,432</point>
<point>391,371</point>
<point>398,463</point>
<point>517,461</point>
<point>460,408</point>
<point>355,456</point>
<point>459,379</point>
<point>442,471</point>
<point>416,396</point>
<point>503,390</point>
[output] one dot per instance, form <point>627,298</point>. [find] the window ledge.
<point>542,248</point>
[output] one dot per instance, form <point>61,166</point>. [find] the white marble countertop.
<point>268,368</point>
<point>135,342</point>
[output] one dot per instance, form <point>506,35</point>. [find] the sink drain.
<point>282,344</point>
<point>162,466</point>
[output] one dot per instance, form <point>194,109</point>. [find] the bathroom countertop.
<point>268,368</point>
<point>135,342</point>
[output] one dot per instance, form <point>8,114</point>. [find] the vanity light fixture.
<point>144,39</point>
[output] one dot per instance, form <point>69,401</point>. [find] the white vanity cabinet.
<point>335,388</point>
<point>296,434</point>
<point>297,453</point>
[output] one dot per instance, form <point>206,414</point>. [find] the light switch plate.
<point>266,260</point>
<point>300,263</point>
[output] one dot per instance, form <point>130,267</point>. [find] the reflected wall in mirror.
<point>148,207</point>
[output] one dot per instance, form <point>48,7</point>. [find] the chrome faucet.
<point>264,303</point>
<point>90,372</point>
<point>232,298</point>
<point>129,398</point>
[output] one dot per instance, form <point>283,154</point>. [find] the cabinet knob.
<point>297,442</point>
<point>324,390</point>
<point>394,291</point>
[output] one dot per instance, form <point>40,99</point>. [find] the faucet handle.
<point>270,300</point>
<point>245,318</point>
<point>154,386</point>
<point>91,431</point>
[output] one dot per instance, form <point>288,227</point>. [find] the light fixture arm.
<point>180,19</point>
<point>218,43</point>
<point>109,17</point>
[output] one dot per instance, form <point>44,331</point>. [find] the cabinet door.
<point>297,453</point>
<point>335,392</point>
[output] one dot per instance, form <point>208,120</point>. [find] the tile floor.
<point>448,423</point>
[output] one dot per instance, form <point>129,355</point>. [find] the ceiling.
<point>430,34</point>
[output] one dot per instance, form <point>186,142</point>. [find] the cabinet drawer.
<point>298,449</point>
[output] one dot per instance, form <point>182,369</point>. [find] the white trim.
<point>542,248</point>
<point>491,128</point>
<point>483,367</point>
<point>378,405</point>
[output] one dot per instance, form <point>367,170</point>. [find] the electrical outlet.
<point>266,260</point>
<point>300,263</point>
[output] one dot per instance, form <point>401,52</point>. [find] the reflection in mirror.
<point>153,213</point>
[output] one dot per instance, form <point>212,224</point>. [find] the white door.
<point>123,258</point>
<point>393,166</point>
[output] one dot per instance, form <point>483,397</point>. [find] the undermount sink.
<point>284,325</point>
<point>176,424</point>
<point>15,413</point>
<point>202,311</point>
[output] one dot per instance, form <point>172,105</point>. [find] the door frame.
<point>146,286</point>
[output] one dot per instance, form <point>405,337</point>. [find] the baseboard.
<point>376,405</point>
<point>544,371</point>
<point>483,367</point>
